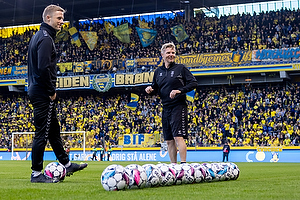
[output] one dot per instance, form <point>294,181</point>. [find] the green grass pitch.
<point>256,181</point>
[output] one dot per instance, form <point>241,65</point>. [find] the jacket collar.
<point>51,31</point>
<point>171,65</point>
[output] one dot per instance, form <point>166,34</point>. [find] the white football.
<point>114,178</point>
<point>199,173</point>
<point>137,176</point>
<point>209,174</point>
<point>154,176</point>
<point>168,174</point>
<point>189,172</point>
<point>179,173</point>
<point>55,170</point>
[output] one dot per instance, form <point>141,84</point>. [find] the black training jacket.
<point>42,71</point>
<point>176,77</point>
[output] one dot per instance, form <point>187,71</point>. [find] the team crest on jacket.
<point>172,73</point>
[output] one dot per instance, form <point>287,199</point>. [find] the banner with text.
<point>139,140</point>
<point>203,155</point>
<point>13,71</point>
<point>139,62</point>
<point>276,54</point>
<point>101,82</point>
<point>196,60</point>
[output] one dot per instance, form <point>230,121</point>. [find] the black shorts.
<point>174,122</point>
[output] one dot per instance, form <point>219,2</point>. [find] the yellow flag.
<point>143,24</point>
<point>108,27</point>
<point>90,38</point>
<point>122,33</point>
<point>62,35</point>
<point>179,33</point>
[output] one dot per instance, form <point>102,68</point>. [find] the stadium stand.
<point>265,116</point>
<point>266,30</point>
<point>247,117</point>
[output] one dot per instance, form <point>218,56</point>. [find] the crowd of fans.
<point>267,116</point>
<point>246,117</point>
<point>266,30</point>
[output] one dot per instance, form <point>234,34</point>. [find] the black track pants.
<point>47,128</point>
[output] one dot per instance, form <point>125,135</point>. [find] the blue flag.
<point>75,36</point>
<point>147,36</point>
<point>191,95</point>
<point>132,105</point>
<point>133,102</point>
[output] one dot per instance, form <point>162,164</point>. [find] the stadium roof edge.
<point>29,11</point>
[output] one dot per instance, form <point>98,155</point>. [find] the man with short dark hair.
<point>171,82</point>
<point>42,94</point>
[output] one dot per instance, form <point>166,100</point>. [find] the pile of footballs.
<point>117,177</point>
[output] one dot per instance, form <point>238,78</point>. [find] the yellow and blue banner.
<point>78,67</point>
<point>13,71</point>
<point>63,67</point>
<point>190,96</point>
<point>147,36</point>
<point>130,63</point>
<point>75,36</point>
<point>149,62</point>
<point>207,59</point>
<point>108,27</point>
<point>88,65</point>
<point>122,33</point>
<point>133,102</point>
<point>179,33</point>
<point>143,24</point>
<point>90,38</point>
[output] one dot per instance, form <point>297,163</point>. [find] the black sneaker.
<point>74,167</point>
<point>42,179</point>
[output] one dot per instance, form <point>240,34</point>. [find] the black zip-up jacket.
<point>176,77</point>
<point>226,148</point>
<point>42,71</point>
